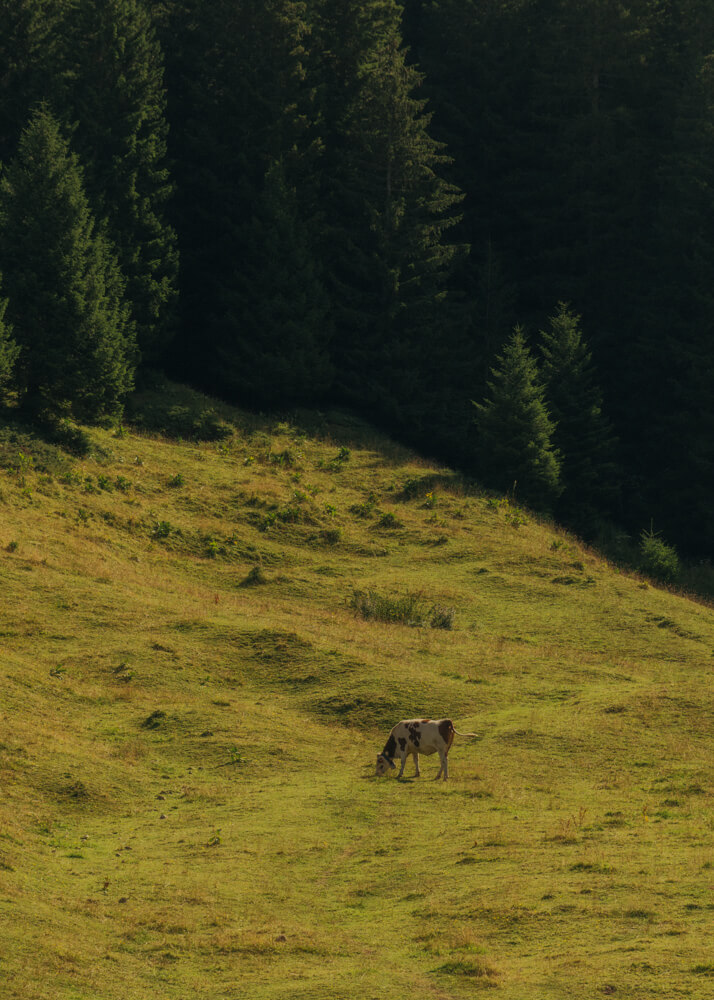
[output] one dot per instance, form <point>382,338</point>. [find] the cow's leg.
<point>404,760</point>
<point>444,769</point>
<point>417,772</point>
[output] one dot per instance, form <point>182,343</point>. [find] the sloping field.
<point>191,706</point>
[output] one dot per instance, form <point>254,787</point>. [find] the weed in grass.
<point>23,466</point>
<point>389,521</point>
<point>176,481</point>
<point>212,548</point>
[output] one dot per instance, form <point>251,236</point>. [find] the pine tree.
<point>582,435</point>
<point>9,351</point>
<point>273,351</point>
<point>114,98</point>
<point>515,432</point>
<point>63,283</point>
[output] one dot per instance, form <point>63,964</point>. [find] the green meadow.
<point>205,639</point>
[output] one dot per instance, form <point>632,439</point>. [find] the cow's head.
<point>383,764</point>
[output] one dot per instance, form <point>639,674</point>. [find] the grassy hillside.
<point>191,705</point>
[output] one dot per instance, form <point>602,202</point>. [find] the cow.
<point>415,736</point>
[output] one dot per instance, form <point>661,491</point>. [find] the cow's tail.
<point>476,736</point>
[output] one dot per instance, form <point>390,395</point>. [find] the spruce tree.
<point>273,347</point>
<point>28,59</point>
<point>515,432</point>
<point>63,283</point>
<point>9,351</point>
<point>582,435</point>
<point>114,98</point>
<point>388,215</point>
<point>240,93</point>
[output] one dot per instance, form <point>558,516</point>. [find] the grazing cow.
<point>415,736</point>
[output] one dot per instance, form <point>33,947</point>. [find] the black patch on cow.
<point>446,731</point>
<point>390,747</point>
<point>402,743</point>
<point>415,735</point>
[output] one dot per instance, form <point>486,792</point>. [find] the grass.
<point>188,804</point>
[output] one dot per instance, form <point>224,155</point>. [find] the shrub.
<point>389,521</point>
<point>69,437</point>
<point>193,422</point>
<point>658,559</point>
<point>255,578</point>
<point>441,617</point>
<point>406,609</point>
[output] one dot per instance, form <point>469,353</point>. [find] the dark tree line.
<point>487,224</point>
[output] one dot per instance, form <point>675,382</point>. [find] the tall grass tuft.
<point>404,609</point>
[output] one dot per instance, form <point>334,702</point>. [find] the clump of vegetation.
<point>255,578</point>
<point>389,521</point>
<point>474,969</point>
<point>331,536</point>
<point>658,559</point>
<point>285,458</point>
<point>212,548</point>
<point>365,508</point>
<point>406,609</point>
<point>442,617</point>
<point>155,720</point>
<point>191,419</point>
<point>512,513</point>
<point>337,463</point>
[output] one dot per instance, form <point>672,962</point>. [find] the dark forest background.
<point>488,225</point>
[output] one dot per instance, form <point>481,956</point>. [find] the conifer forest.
<point>485,225</point>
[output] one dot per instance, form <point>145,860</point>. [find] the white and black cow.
<point>415,736</point>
